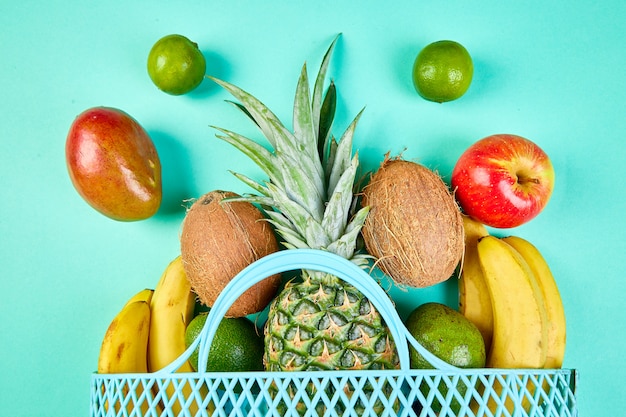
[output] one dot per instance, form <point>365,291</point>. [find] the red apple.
<point>114,164</point>
<point>503,180</point>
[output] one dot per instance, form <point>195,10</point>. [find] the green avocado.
<point>447,334</point>
<point>450,336</point>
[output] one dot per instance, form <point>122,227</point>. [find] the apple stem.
<point>523,179</point>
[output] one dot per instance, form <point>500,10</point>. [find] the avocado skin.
<point>450,336</point>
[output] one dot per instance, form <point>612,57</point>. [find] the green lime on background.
<point>450,336</point>
<point>176,65</point>
<point>443,71</point>
<point>237,346</point>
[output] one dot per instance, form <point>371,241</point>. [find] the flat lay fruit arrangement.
<point>402,219</point>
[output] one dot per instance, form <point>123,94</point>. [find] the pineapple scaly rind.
<point>319,321</point>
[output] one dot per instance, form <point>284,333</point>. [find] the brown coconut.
<point>414,227</point>
<point>218,240</point>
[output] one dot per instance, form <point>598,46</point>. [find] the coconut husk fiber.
<point>218,240</point>
<point>414,228</point>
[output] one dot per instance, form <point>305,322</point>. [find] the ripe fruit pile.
<point>410,223</point>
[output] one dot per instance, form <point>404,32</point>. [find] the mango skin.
<point>113,164</point>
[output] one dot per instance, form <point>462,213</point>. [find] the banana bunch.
<point>507,289</point>
<point>149,331</point>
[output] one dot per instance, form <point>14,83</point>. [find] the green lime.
<point>442,71</point>
<point>450,336</point>
<point>176,65</point>
<point>236,346</point>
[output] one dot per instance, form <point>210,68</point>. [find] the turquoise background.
<point>551,71</point>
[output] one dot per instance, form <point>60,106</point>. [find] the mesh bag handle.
<point>311,259</point>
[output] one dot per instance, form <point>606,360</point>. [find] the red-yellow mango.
<point>113,164</point>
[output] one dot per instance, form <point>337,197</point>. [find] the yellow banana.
<point>172,308</point>
<point>474,298</point>
<point>520,332</point>
<point>125,342</point>
<point>554,304</point>
<point>124,348</point>
<point>143,295</point>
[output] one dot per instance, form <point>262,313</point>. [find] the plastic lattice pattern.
<point>444,391</point>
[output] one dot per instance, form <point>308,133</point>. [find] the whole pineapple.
<point>319,322</point>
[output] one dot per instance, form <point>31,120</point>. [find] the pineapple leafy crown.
<point>310,195</point>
